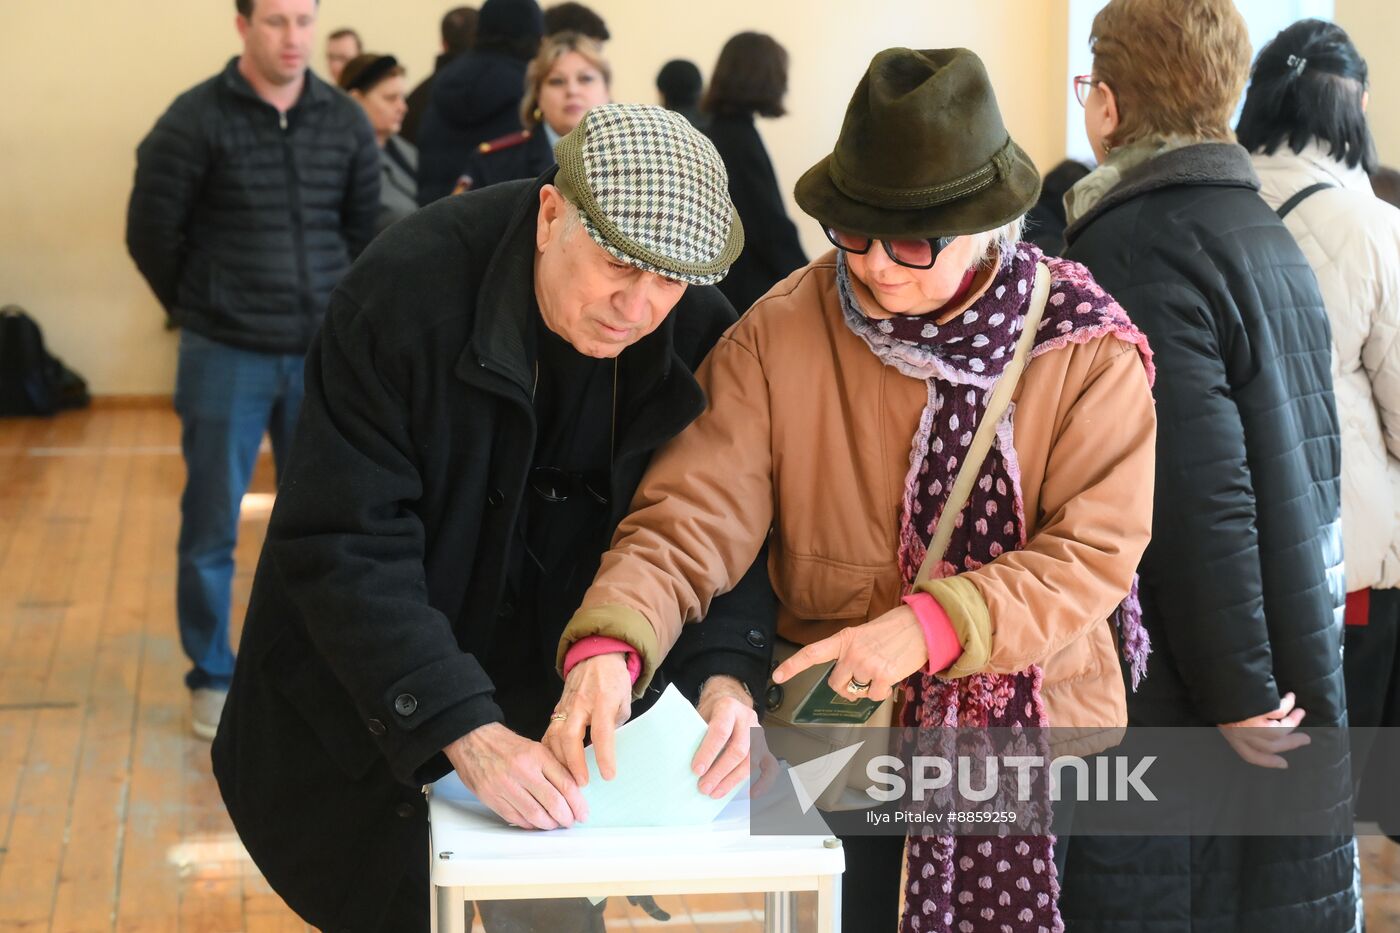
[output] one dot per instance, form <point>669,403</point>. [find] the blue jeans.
<point>226,398</point>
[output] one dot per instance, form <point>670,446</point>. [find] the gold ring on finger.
<point>857,686</point>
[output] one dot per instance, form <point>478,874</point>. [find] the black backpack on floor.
<point>32,381</point>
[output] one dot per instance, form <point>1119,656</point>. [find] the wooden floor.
<point>109,817</point>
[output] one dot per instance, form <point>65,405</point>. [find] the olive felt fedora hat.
<point>922,153</point>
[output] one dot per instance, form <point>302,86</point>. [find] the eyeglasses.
<point>914,254</point>
<point>555,485</point>
<point>1083,87</point>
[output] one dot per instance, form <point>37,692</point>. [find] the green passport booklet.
<point>824,705</point>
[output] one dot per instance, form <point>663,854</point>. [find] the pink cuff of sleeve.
<point>939,634</point>
<point>594,645</point>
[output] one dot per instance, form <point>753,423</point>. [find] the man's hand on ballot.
<point>520,780</point>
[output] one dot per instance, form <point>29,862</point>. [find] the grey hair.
<point>993,243</point>
<point>572,223</point>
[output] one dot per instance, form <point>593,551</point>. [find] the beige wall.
<point>1375,28</point>
<point>86,80</point>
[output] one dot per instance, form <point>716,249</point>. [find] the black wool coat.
<point>475,97</point>
<point>242,219</point>
<point>771,248</point>
<point>381,580</point>
<point>1242,583</point>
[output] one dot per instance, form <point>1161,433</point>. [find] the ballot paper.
<point>654,784</point>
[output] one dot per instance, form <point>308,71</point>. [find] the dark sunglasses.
<point>555,485</point>
<point>914,254</point>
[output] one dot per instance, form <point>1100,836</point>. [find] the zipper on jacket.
<point>298,221</point>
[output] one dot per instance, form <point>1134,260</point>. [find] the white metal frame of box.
<point>477,857</point>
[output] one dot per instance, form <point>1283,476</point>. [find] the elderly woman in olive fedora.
<point>841,407</point>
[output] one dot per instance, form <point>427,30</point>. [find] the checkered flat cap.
<point>652,191</point>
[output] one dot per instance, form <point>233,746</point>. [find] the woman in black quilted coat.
<point>750,78</point>
<point>1241,586</point>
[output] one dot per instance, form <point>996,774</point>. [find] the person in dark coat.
<point>489,386</point>
<point>252,194</point>
<point>1045,224</point>
<point>750,78</point>
<point>1385,181</point>
<point>679,83</point>
<point>1242,585</point>
<point>567,78</point>
<point>458,36</point>
<point>476,97</point>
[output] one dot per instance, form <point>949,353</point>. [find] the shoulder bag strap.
<point>987,427</point>
<point>1286,207</point>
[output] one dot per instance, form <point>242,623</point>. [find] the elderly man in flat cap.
<point>490,382</point>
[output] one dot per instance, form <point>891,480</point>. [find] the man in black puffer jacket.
<point>1242,584</point>
<point>253,193</point>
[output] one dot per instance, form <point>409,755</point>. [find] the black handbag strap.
<point>1286,207</point>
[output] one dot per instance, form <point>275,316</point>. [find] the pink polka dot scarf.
<point>1000,884</point>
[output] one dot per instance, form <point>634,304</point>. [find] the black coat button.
<point>404,810</point>
<point>376,727</point>
<point>756,638</point>
<point>506,611</point>
<point>405,704</point>
<point>495,498</point>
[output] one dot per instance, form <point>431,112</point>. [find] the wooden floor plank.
<point>47,662</point>
<point>22,475</point>
<point>21,674</point>
<point>39,572</point>
<point>211,884</point>
<point>149,894</point>
<point>16,727</point>
<point>29,879</point>
<point>87,890</point>
<point>21,527</point>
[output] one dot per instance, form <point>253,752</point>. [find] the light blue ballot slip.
<point>654,785</point>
